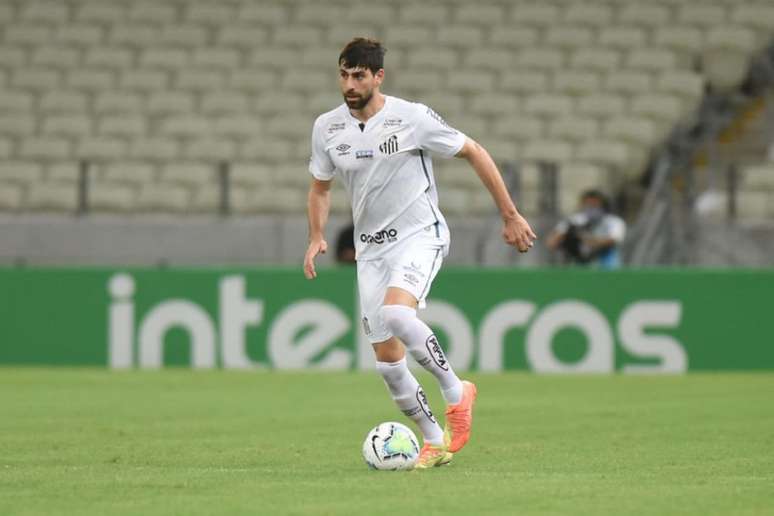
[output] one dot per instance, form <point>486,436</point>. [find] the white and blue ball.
<point>391,446</point>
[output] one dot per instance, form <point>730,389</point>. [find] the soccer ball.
<point>391,446</point>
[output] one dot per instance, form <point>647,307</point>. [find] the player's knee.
<point>397,318</point>
<point>392,372</point>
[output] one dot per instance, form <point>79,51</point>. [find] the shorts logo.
<point>411,279</point>
<point>364,154</point>
<point>390,146</point>
<point>385,235</point>
<point>436,352</point>
<point>343,149</point>
<point>422,400</point>
<point>366,326</point>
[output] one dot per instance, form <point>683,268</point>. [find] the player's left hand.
<point>315,247</point>
<point>518,233</point>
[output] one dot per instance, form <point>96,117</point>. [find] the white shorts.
<point>411,266</point>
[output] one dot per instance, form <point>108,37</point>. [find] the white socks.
<point>410,398</point>
<point>403,322</point>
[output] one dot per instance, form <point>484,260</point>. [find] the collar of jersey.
<point>374,119</point>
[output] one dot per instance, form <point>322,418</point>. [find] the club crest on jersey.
<point>390,146</point>
<point>364,154</point>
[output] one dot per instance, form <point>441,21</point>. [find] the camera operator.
<point>592,236</point>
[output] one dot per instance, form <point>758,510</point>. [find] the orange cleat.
<point>459,418</point>
<point>432,456</point>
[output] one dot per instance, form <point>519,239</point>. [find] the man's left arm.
<point>516,230</point>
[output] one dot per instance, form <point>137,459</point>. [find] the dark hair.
<point>600,196</point>
<point>363,53</point>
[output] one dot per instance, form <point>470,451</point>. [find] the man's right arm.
<point>318,206</point>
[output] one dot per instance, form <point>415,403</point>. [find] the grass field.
<point>86,442</point>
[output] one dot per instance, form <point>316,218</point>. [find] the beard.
<point>360,102</point>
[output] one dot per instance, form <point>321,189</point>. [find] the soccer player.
<point>381,146</point>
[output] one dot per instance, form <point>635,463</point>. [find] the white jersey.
<point>387,170</point>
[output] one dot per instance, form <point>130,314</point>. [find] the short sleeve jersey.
<point>386,167</point>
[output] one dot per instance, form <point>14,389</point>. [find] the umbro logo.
<point>343,149</point>
<point>390,146</point>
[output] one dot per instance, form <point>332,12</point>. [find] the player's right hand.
<point>315,247</point>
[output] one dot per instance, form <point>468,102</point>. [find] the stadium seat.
<point>490,58</point>
<point>735,38</point>
<point>184,125</point>
<point>101,147</point>
<point>594,15</point>
<point>17,124</point>
<point>6,148</point>
<point>573,129</point>
<point>576,82</point>
<point>502,149</point>
<point>622,37</point>
<point>104,196</point>
<point>163,198</point>
<point>67,125</point>
<point>628,81</point>
<point>601,105</point>
<point>553,151</point>
<point>702,15</point>
<point>44,11</point>
<point>638,131</point>
<point>237,126</point>
<point>144,80</point>
<point>538,14</point>
<point>413,81</point>
<point>154,149</point>
<point>245,37</point>
<point>210,149</point>
<point>216,58</point>
<point>153,12</point>
<point>471,81</point>
<point>318,13</point>
<point>359,12</point>
<point>210,13</point>
<point>605,152</point>
<point>63,172</point>
<point>689,85</point>
<point>82,35</point>
<point>651,60</point>
<point>55,197</point>
<point>519,128</point>
<point>441,59</point>
<point>44,149</point>
<point>23,173</point>
<point>127,125</point>
<point>90,80</point>
<point>568,37</point>
<point>268,149</point>
<point>679,38</point>
<point>298,36</point>
<point>752,205</point>
<point>432,13</point>
<point>455,173</point>
<point>55,56</point>
<point>548,104</point>
<point>454,201</point>
<point>10,198</point>
<point>523,81</point>
<point>165,58</point>
<point>646,15</point>
<point>478,14</point>
<point>513,37</point>
<point>28,34</point>
<point>341,33</point>
<point>494,104</point>
<point>12,57</point>
<point>118,102</point>
<point>324,59</point>
<point>459,36</point>
<point>540,58</point>
<point>758,15</point>
<point>270,15</point>
<point>35,79</point>
<point>251,80</point>
<point>134,35</point>
<point>307,81</point>
<point>190,175</point>
<point>166,102</point>
<point>101,12</point>
<point>16,100</point>
<point>758,177</point>
<point>322,102</point>
<point>663,107</point>
<point>108,57</point>
<point>222,101</point>
<point>600,59</point>
<point>189,35</point>
<point>199,79</point>
<point>134,173</point>
<point>276,102</point>
<point>579,176</point>
<point>250,174</point>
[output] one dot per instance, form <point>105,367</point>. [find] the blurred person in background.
<point>345,245</point>
<point>592,236</point>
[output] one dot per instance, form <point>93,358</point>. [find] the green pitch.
<point>86,442</point>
